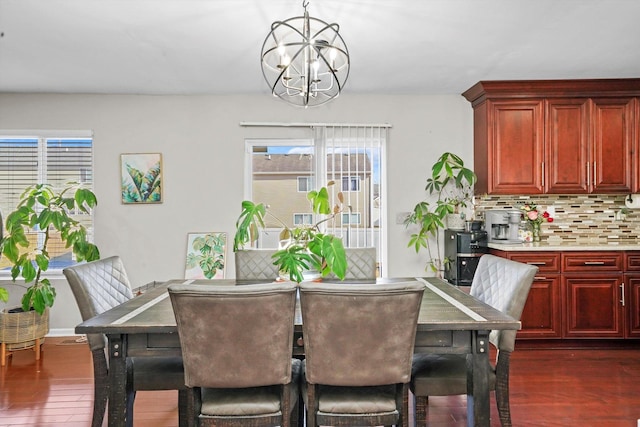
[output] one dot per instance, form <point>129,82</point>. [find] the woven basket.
<point>21,329</point>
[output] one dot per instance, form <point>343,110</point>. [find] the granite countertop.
<point>568,246</point>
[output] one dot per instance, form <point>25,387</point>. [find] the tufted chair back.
<point>256,264</point>
<point>361,264</point>
<point>504,285</point>
<point>98,286</point>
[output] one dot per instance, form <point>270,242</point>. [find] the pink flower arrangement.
<point>532,215</point>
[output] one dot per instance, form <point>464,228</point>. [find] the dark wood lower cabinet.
<point>581,295</point>
<point>593,306</point>
<point>541,317</point>
<point>632,302</point>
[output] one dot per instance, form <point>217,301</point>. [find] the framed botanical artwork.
<point>206,255</point>
<point>141,177</point>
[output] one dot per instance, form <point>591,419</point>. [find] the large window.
<point>28,158</point>
<point>281,171</point>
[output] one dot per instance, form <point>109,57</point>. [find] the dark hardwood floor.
<point>591,387</point>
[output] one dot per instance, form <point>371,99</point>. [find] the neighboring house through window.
<point>37,157</point>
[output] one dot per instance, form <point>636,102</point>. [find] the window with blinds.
<point>53,158</point>
<point>282,170</point>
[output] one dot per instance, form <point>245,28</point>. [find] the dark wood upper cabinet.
<point>567,146</point>
<point>514,147</point>
<point>556,136</point>
<point>612,129</point>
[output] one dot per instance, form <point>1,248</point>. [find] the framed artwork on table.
<point>206,255</point>
<point>141,178</point>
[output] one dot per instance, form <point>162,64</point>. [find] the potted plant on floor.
<point>41,210</point>
<point>452,184</point>
<point>304,247</point>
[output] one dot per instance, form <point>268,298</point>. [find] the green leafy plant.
<point>452,185</point>
<point>41,209</point>
<point>142,186</point>
<point>208,254</point>
<point>307,248</point>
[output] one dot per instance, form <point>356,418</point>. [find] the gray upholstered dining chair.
<point>97,287</point>
<point>361,264</point>
<point>236,345</point>
<point>256,264</point>
<point>504,285</point>
<point>358,342</point>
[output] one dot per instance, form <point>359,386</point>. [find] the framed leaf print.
<point>206,255</point>
<point>141,177</point>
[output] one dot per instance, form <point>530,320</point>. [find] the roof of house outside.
<point>301,163</point>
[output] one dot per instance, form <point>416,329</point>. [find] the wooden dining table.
<point>450,321</point>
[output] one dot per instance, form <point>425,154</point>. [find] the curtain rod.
<point>311,125</point>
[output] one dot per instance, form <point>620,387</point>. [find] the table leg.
<point>478,405</point>
<point>117,380</point>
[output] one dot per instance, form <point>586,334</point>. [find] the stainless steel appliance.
<point>502,225</point>
<point>463,249</point>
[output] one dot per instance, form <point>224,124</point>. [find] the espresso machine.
<point>502,225</point>
<point>463,249</point>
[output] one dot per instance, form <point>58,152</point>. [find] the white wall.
<point>202,145</point>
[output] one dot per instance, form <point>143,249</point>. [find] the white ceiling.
<point>396,46</point>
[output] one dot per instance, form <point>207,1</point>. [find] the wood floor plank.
<point>567,387</point>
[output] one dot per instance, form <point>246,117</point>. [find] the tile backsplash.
<point>582,219</point>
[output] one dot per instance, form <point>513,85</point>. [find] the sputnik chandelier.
<point>305,60</point>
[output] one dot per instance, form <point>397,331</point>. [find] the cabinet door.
<point>566,146</point>
<point>612,127</point>
<point>515,147</point>
<point>593,307</point>
<point>632,304</point>
<point>541,317</point>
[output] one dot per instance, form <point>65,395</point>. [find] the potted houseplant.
<point>304,247</point>
<point>452,185</point>
<point>43,210</point>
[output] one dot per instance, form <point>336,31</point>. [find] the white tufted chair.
<point>255,264</point>
<point>97,287</point>
<point>504,285</point>
<point>361,264</point>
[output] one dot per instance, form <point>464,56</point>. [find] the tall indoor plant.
<point>452,185</point>
<point>45,210</point>
<point>305,247</point>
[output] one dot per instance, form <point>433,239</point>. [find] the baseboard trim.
<point>62,332</point>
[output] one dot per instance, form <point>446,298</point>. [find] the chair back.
<point>97,287</point>
<point>361,264</point>
<point>256,264</point>
<point>504,285</point>
<point>357,334</point>
<point>235,336</point>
